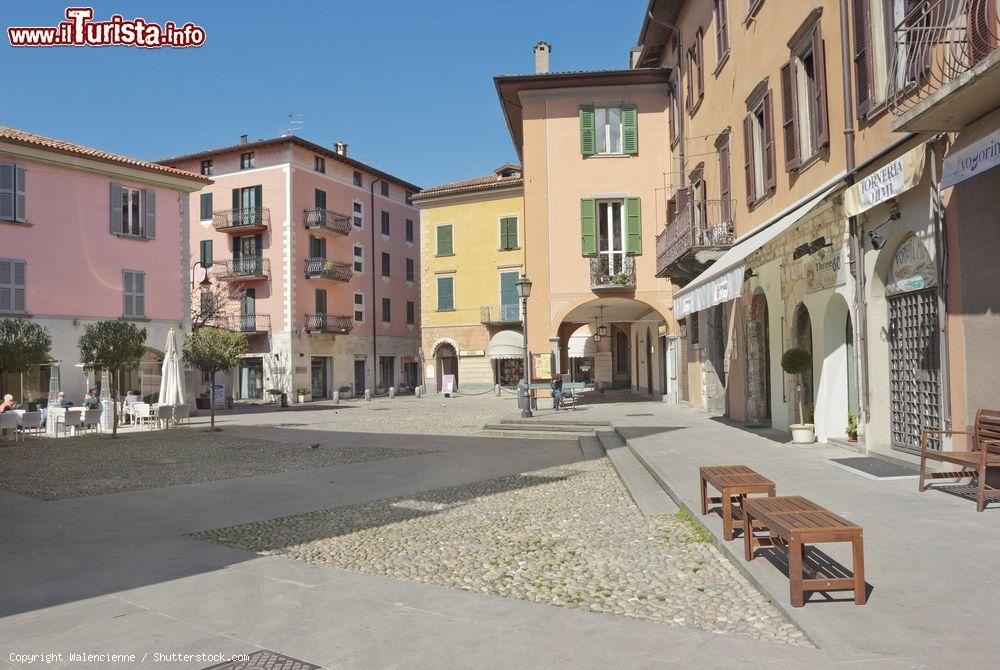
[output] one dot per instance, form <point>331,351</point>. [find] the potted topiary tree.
<point>797,362</point>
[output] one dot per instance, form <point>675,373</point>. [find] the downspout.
<point>941,260</point>
<point>371,188</point>
<point>856,245</point>
<point>678,92</point>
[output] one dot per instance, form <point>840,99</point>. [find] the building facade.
<point>85,236</point>
<point>315,256</point>
<point>472,246</point>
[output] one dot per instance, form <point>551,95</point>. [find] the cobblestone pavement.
<point>55,469</point>
<point>567,536</point>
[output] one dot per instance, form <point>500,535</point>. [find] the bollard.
<point>497,389</point>
<point>392,392</point>
<point>336,397</point>
<point>368,395</point>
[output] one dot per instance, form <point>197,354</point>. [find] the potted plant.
<point>274,394</point>
<point>345,392</point>
<point>201,402</point>
<point>305,395</point>
<point>797,362</point>
<point>852,425</point>
<point>619,279</point>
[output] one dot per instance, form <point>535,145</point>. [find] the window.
<point>385,264</point>
<point>247,161</point>
<point>608,121</point>
<point>758,150</point>
<point>409,230</point>
<point>130,221</point>
<point>206,253</point>
<point>693,327</point>
<point>410,269</point>
<point>359,307</point>
<point>675,112</point>
<point>319,297</point>
<point>319,164</point>
<point>358,214</point>
<point>445,243</point>
<point>446,294</point>
<point>725,185</point>
<point>385,223</point>
<point>411,312</point>
<point>359,258</point>
<point>611,229</point>
<point>206,167</point>
<point>804,120</point>
<point>357,178</point>
<point>206,206</point>
<point>508,233</point>
<point>721,12</point>
<point>386,310</point>
<point>695,72</point>
<point>317,247</point>
<point>609,130</point>
<point>384,186</point>
<point>13,198</point>
<point>13,286</point>
<point>134,290</point>
<point>874,21</point>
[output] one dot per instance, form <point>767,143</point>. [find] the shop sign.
<point>822,273</point>
<point>976,151</point>
<point>912,268</point>
<point>886,183</point>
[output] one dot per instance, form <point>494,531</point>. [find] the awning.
<point>976,150</point>
<point>887,182</point>
<point>723,280</point>
<point>506,344</point>
<point>581,344</point>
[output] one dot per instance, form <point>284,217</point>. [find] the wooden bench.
<point>792,523</point>
<point>569,389</point>
<point>985,454</point>
<point>732,482</point>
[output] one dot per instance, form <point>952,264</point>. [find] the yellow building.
<point>471,255</point>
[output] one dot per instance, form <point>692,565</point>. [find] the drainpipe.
<point>856,244</point>
<point>371,188</point>
<point>678,91</point>
<point>941,260</point>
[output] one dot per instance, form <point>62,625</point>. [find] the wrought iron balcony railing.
<point>245,323</point>
<point>699,224</point>
<point>322,268</point>
<point>242,269</point>
<point>612,272</point>
<point>326,219</point>
<point>242,220</point>
<point>502,314</point>
<point>936,43</point>
<point>329,323</point>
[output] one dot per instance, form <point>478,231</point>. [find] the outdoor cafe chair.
<point>73,418</point>
<point>31,421</point>
<point>8,421</point>
<point>182,413</point>
<point>92,419</point>
<point>163,414</point>
<point>141,412</point>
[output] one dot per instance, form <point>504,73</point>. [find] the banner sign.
<point>886,183</point>
<point>826,272</point>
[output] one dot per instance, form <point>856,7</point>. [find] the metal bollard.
<point>392,392</point>
<point>368,395</point>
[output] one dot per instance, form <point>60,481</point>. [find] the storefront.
<point>506,352</point>
<point>582,353</point>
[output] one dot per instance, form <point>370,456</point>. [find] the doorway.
<point>914,369</point>
<point>320,375</point>
<point>359,376</point>
<point>447,364</point>
<point>649,361</point>
<point>758,361</point>
<point>611,236</point>
<point>250,378</point>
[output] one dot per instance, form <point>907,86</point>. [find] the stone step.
<point>543,427</point>
<point>592,448</point>
<point>647,493</point>
<point>532,435</point>
<point>553,422</point>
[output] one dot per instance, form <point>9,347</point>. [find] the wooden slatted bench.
<point>792,523</point>
<point>732,482</point>
<point>985,454</point>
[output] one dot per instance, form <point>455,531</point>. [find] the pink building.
<point>87,235</point>
<point>329,301</point>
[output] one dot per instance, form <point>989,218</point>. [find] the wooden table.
<point>793,522</point>
<point>731,481</point>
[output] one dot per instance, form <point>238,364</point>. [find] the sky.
<point>408,85</point>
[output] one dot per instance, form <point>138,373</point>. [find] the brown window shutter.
<point>770,178</point>
<point>822,120</point>
<point>862,58</point>
<point>748,157</point>
<point>689,84</point>
<point>725,190</point>
<point>672,103</point>
<point>718,30</point>
<point>699,53</point>
<point>790,116</point>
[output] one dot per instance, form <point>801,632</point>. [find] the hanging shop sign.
<point>822,273</point>
<point>886,183</point>
<point>912,268</point>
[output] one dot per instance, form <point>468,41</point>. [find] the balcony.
<point>945,70</point>
<point>251,324</point>
<point>322,268</point>
<point>242,220</point>
<point>695,236</point>
<point>324,219</point>
<point>612,272</point>
<point>242,269</point>
<point>337,324</point>
<point>499,315</point>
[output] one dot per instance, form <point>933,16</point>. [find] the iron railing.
<point>329,323</point>
<point>502,314</point>
<point>257,218</point>
<point>244,323</point>
<point>700,223</point>
<point>322,268</point>
<point>937,42</point>
<point>612,271</point>
<point>242,269</point>
<point>327,220</point>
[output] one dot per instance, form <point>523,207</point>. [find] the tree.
<point>210,350</point>
<point>23,344</point>
<point>797,362</point>
<point>113,346</point>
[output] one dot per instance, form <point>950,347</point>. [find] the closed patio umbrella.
<point>171,381</point>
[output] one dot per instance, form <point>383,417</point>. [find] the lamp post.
<point>523,292</point>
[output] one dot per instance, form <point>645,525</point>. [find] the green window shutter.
<point>508,233</point>
<point>445,245</point>
<point>206,206</point>
<point>587,130</point>
<point>588,226</point>
<point>446,293</point>
<point>630,129</point>
<point>633,217</point>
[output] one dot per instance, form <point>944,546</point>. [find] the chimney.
<point>542,51</point>
<point>340,148</point>
<point>243,139</point>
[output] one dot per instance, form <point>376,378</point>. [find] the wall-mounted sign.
<point>887,182</point>
<point>429,371</point>
<point>541,366</point>
<point>912,268</point>
<point>826,272</point>
<point>976,151</point>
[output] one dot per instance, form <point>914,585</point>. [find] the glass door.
<point>320,374</point>
<point>248,311</point>
<point>508,297</point>
<point>611,236</point>
<point>251,378</point>
<point>359,376</point>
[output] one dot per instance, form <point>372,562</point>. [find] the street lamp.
<point>523,286</point>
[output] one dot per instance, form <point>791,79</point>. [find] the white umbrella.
<point>171,381</point>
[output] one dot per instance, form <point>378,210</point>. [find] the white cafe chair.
<point>8,421</point>
<point>73,418</point>
<point>182,413</point>
<point>141,413</point>
<point>164,415</point>
<point>31,421</point>
<point>92,420</point>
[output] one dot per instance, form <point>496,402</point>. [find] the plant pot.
<point>305,398</point>
<point>803,433</point>
<point>853,437</point>
<point>201,403</point>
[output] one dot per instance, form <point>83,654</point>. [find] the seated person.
<point>131,397</point>
<point>8,403</point>
<point>90,401</point>
<point>557,393</point>
<point>64,401</point>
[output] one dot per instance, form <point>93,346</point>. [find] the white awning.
<point>723,280</point>
<point>581,344</point>
<point>889,181</point>
<point>976,150</point>
<point>506,344</point>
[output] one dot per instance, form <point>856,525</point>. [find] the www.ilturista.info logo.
<point>80,30</point>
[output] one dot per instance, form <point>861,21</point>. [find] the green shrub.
<point>796,361</point>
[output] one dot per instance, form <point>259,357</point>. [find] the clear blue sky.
<point>409,85</point>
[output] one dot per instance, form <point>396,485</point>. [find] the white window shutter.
<point>139,286</point>
<point>20,197</point>
<point>6,191</point>
<point>149,197</point>
<point>6,286</point>
<point>19,286</point>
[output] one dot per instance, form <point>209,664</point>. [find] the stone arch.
<point>758,359</point>
<point>802,337</point>
<point>445,354</point>
<point>834,369</point>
